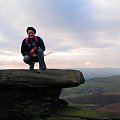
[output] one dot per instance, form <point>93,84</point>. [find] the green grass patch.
<point>82,105</point>
<point>81,113</point>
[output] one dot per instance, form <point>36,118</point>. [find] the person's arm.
<point>41,44</point>
<point>24,49</point>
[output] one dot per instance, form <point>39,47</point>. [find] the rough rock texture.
<point>28,95</point>
<point>50,78</point>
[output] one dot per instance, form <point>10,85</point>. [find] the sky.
<point>79,33</point>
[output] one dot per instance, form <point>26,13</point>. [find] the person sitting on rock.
<point>32,49</point>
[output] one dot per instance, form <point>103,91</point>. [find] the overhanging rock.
<point>28,95</point>
<point>50,78</point>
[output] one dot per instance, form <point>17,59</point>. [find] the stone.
<point>26,94</point>
<point>50,78</point>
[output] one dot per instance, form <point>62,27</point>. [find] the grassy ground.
<point>95,99</point>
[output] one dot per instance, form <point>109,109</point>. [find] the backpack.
<point>36,39</point>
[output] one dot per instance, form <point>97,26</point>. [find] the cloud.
<point>80,30</point>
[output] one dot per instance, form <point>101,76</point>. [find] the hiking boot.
<point>39,71</point>
<point>32,66</point>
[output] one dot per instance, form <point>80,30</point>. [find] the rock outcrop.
<point>26,94</point>
<point>50,78</point>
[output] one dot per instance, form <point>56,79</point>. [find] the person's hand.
<point>32,51</point>
<point>34,55</point>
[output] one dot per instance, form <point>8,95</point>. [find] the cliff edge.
<point>50,78</point>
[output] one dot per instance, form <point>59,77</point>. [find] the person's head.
<point>31,32</point>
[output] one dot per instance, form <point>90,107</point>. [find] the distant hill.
<point>101,85</point>
<point>90,73</point>
<point>99,95</point>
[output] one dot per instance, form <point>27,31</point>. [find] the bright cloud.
<point>80,33</point>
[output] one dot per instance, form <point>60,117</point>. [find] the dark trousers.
<point>40,58</point>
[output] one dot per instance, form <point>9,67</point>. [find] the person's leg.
<point>42,65</point>
<point>28,60</point>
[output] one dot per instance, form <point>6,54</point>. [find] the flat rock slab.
<point>50,78</point>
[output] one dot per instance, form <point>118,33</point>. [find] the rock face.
<point>50,78</point>
<point>26,94</point>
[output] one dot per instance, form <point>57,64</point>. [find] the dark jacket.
<point>26,48</point>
